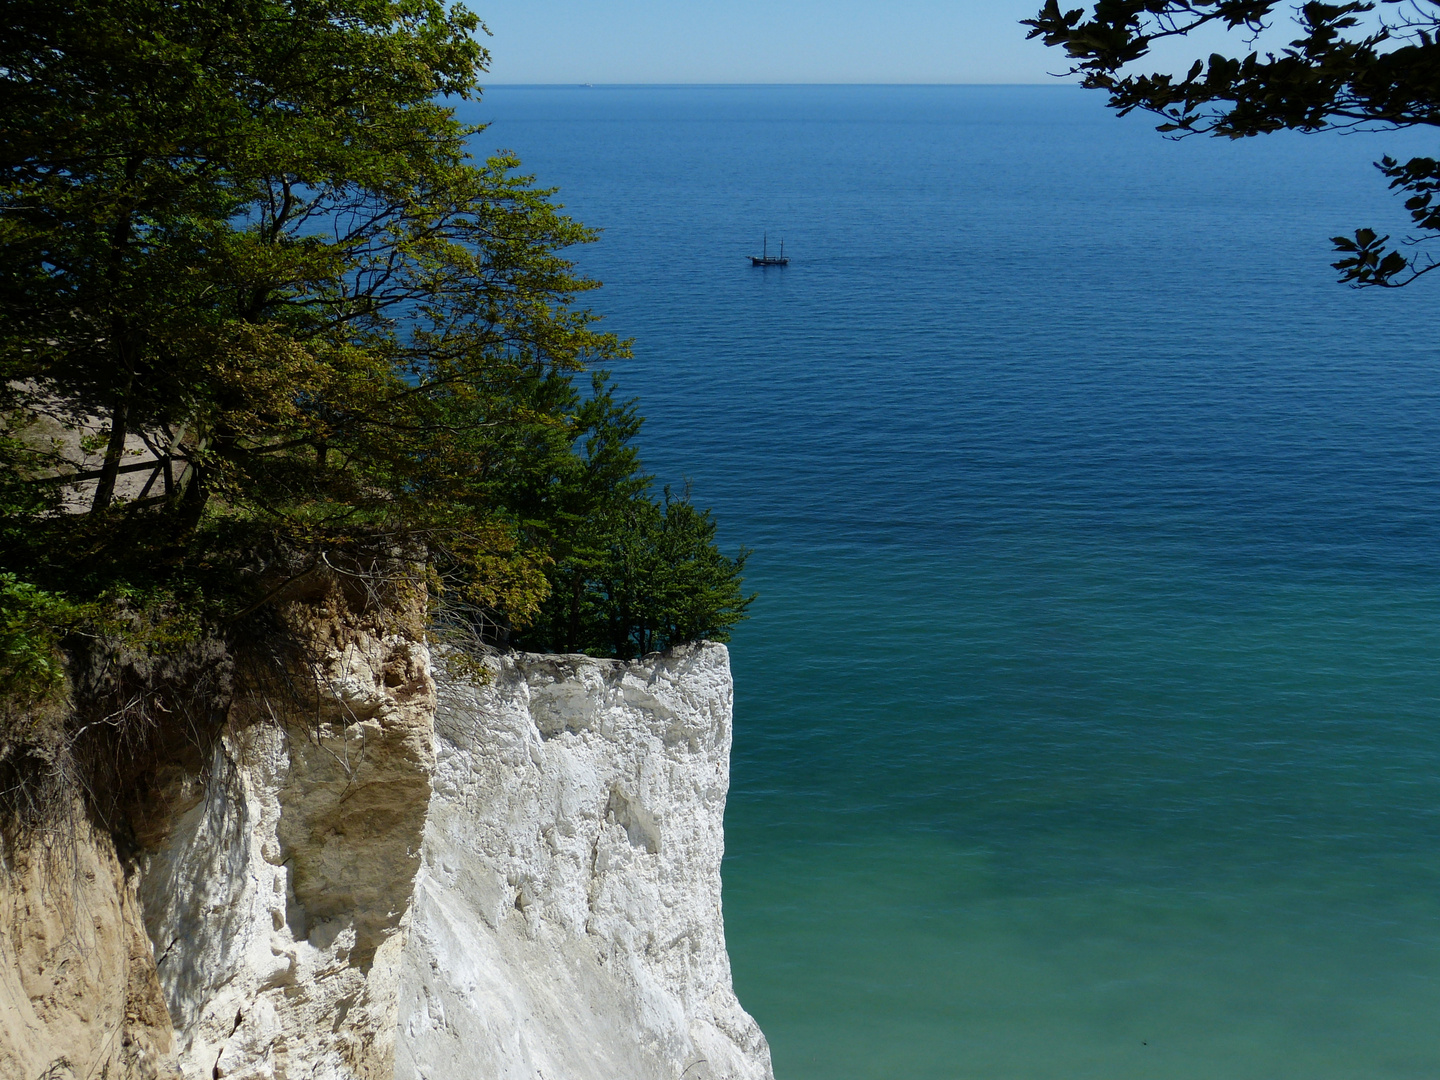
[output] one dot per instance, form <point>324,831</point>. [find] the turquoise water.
<point>1087,723</point>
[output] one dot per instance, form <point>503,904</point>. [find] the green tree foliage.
<point>254,290</point>
<point>632,574</point>
<point>32,623</point>
<point>1373,64</point>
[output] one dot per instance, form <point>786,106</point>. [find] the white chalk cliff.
<point>566,921</point>
<point>508,872</point>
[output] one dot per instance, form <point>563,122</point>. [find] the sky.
<point>763,41</point>
<point>796,41</point>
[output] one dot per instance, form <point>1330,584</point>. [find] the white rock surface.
<point>276,902</point>
<point>522,883</point>
<point>566,922</point>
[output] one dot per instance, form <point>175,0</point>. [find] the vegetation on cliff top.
<point>256,299</point>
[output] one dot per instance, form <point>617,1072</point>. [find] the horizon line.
<point>701,85</point>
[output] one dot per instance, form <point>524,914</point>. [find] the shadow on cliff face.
<point>298,738</point>
<point>87,778</point>
<point>107,753</point>
<point>356,784</point>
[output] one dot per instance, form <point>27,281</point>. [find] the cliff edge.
<point>511,872</point>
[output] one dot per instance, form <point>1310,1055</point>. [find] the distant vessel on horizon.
<point>766,259</point>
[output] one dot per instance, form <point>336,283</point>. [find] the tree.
<point>631,573</point>
<point>1371,64</point>
<point>247,262</point>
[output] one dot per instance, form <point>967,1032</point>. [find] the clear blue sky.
<point>764,41</point>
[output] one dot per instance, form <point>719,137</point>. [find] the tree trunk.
<point>114,450</point>
<point>122,232</point>
<point>191,505</point>
<point>572,631</point>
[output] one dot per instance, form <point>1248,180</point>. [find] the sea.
<point>1088,721</point>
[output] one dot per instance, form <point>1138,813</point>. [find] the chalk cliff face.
<point>276,902</point>
<point>510,873</point>
<point>567,918</point>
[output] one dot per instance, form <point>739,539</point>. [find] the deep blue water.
<point>1088,724</point>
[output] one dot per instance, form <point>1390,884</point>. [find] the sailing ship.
<point>766,259</point>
